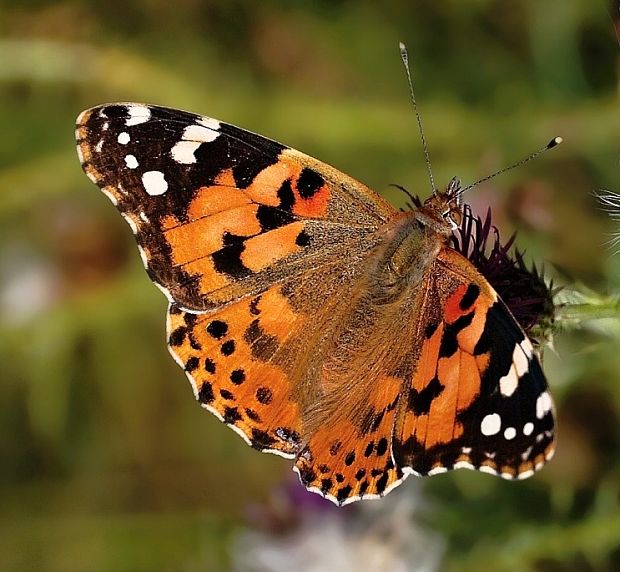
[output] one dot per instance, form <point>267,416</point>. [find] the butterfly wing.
<point>220,213</point>
<point>249,240</point>
<point>477,397</point>
<point>257,246</point>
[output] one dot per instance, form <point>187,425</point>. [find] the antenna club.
<point>554,142</point>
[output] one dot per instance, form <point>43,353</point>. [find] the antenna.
<point>553,143</point>
<point>405,57</point>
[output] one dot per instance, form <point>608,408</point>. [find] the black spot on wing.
<point>420,401</point>
<point>231,415</point>
<point>177,336</point>
<point>252,415</point>
<point>205,394</point>
<point>237,376</point>
<point>228,348</point>
<point>382,446</point>
<point>381,483</point>
<point>192,364</point>
<point>430,329</point>
<point>286,196</point>
<point>343,493</point>
<point>227,260</point>
<point>449,343</point>
<point>309,183</point>
<point>470,296</point>
<point>217,329</point>
<point>227,394</point>
<point>307,475</point>
<point>261,439</point>
<point>271,218</point>
<point>264,395</point>
<point>303,239</point>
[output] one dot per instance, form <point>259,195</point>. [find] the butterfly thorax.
<point>415,237</point>
<point>410,248</point>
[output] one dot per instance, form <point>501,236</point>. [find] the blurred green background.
<point>106,461</point>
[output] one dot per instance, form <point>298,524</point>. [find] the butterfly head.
<point>443,210</point>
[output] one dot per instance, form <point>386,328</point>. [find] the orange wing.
<point>220,213</point>
<point>477,398</point>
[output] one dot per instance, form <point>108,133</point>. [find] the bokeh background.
<point>106,461</point>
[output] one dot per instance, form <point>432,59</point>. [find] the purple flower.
<point>523,289</point>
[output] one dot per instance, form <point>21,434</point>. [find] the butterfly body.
<point>312,317</point>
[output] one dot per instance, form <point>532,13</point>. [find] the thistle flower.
<point>523,289</point>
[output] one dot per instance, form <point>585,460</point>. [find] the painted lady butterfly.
<point>313,318</point>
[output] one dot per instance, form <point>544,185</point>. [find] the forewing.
<point>218,212</point>
<point>478,398</point>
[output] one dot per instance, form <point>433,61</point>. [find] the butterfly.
<point>311,316</point>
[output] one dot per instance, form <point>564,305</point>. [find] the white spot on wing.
<point>123,138</point>
<point>137,114</point>
<point>520,360</point>
<point>105,126</point>
<point>510,433</point>
<point>527,347</point>
<point>508,383</point>
<point>183,152</point>
<point>210,123</point>
<point>491,424</point>
<point>528,428</point>
<point>99,146</point>
<point>131,161</point>
<point>199,133</point>
<point>154,183</point>
<point>543,404</point>
<point>193,136</point>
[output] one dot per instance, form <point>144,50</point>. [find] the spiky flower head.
<point>523,289</point>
